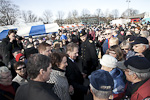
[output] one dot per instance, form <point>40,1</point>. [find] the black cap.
<point>137,64</point>
<point>82,33</point>
<point>140,40</point>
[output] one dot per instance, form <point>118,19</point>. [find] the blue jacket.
<point>118,78</point>
<point>63,37</point>
<point>105,46</point>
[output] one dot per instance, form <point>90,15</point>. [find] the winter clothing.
<point>88,56</point>
<point>8,92</point>
<point>61,87</point>
<point>100,79</point>
<point>118,78</point>
<point>108,61</point>
<point>19,80</point>
<point>75,78</point>
<point>8,47</point>
<point>35,90</point>
<point>142,91</point>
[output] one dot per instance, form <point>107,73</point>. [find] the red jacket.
<point>142,92</point>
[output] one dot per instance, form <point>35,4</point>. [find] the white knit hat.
<point>108,61</point>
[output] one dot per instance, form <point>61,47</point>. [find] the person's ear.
<point>68,52</point>
<point>144,47</point>
<point>134,76</point>
<point>91,90</point>
<point>41,52</point>
<point>41,71</point>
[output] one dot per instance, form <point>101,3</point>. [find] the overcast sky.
<point>39,6</point>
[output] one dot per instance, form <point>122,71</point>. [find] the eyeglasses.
<point>125,49</point>
<point>107,34</point>
<point>21,68</point>
<point>21,58</point>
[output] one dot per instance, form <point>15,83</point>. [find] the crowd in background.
<point>115,59</point>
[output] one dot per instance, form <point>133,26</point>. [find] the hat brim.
<point>134,43</point>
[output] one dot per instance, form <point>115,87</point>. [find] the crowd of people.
<point>115,59</point>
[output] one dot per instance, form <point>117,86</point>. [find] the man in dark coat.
<point>88,54</point>
<point>38,70</point>
<point>8,44</point>
<point>141,47</point>
<point>73,73</point>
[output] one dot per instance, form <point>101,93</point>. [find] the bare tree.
<point>69,19</point>
<point>8,12</point>
<point>98,14</point>
<point>75,16</point>
<point>106,13</point>
<point>47,16</point>
<point>130,12</point>
<point>29,17</point>
<point>60,16</point>
<point>115,13</point>
<point>85,14</point>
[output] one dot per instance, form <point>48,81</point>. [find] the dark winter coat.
<point>75,79</point>
<point>34,90</point>
<point>88,56</point>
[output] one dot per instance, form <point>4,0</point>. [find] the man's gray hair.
<point>71,46</point>
<point>147,46</point>
<point>142,76</point>
<point>100,94</point>
<point>3,69</point>
<point>144,34</point>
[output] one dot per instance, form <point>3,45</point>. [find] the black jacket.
<point>8,47</point>
<point>75,79</point>
<point>36,91</point>
<point>146,53</point>
<point>88,56</point>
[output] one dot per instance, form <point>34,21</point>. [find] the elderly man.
<point>73,73</point>
<point>38,70</point>
<point>101,85</point>
<point>137,71</point>
<point>141,47</point>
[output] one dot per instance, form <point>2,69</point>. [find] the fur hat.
<point>108,61</point>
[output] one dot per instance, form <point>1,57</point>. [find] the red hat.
<point>19,56</point>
